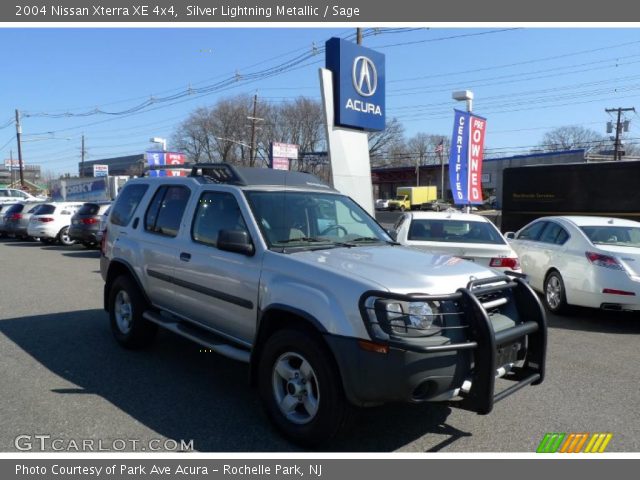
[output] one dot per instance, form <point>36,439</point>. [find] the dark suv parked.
<point>86,223</point>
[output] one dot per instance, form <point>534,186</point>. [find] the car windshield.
<point>313,220</point>
<point>454,231</point>
<point>613,235</point>
<point>400,197</point>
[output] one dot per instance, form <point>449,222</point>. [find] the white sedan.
<point>468,236</point>
<point>585,261</point>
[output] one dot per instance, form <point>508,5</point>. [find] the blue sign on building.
<point>358,85</point>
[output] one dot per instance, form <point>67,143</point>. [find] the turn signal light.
<point>373,347</point>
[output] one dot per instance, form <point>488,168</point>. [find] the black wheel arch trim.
<point>107,284</point>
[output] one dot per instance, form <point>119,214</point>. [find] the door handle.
<point>185,257</point>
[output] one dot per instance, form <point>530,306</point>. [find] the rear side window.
<point>45,209</point>
<point>126,203</point>
<point>532,232</point>
<point>89,209</point>
<point>554,233</point>
<point>164,214</point>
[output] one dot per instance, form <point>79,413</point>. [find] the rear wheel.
<point>555,297</point>
<point>126,306</point>
<point>301,388</point>
<point>64,238</point>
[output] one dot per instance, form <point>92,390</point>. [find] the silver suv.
<point>282,272</point>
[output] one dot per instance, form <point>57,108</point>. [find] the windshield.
<point>400,198</point>
<point>454,231</point>
<point>613,235</point>
<point>313,219</point>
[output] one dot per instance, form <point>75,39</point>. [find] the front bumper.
<point>419,370</point>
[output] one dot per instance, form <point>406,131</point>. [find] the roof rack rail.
<point>218,172</point>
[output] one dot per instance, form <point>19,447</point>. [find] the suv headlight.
<point>408,319</point>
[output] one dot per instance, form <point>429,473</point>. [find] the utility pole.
<point>254,120</point>
<point>82,158</point>
<point>617,154</point>
<point>18,134</point>
<point>442,172</point>
<point>359,36</point>
<point>11,169</point>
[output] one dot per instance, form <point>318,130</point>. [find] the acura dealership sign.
<point>358,85</point>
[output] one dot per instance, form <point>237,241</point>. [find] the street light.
<point>464,95</point>
<point>161,141</point>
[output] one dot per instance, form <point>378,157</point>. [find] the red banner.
<point>476,149</point>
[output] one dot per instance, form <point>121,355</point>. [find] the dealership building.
<point>387,179</point>
<point>128,165</point>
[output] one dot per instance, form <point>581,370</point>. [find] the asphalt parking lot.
<point>63,375</point>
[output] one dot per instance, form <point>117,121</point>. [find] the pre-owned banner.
<point>465,158</point>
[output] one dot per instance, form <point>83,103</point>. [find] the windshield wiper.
<point>372,240</point>
<point>303,239</point>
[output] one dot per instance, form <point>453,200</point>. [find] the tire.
<point>63,237</point>
<point>437,208</point>
<point>402,208</point>
<point>297,361</point>
<point>126,306</point>
<point>555,297</point>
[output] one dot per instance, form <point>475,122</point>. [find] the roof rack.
<point>218,172</point>
<point>244,176</point>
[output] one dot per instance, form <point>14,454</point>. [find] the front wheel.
<point>555,297</point>
<point>301,388</point>
<point>126,306</point>
<point>64,238</point>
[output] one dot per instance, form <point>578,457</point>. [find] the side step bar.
<point>200,336</point>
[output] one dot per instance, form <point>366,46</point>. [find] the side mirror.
<point>237,241</point>
<point>510,235</point>
<point>393,233</point>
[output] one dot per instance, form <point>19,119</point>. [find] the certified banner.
<point>465,158</point>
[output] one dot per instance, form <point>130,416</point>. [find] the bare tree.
<point>389,138</point>
<point>222,132</point>
<point>571,137</point>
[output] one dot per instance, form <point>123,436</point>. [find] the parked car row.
<point>572,260</point>
<point>50,222</point>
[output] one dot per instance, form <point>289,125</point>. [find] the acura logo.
<point>365,76</point>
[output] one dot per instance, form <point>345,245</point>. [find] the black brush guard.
<point>485,342</point>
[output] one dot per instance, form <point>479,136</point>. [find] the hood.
<point>395,268</point>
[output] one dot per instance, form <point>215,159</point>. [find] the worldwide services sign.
<point>358,85</point>
<point>465,158</point>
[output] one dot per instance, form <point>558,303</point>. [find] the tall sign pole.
<point>18,134</point>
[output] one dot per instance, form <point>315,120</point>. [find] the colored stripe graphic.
<point>555,442</point>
